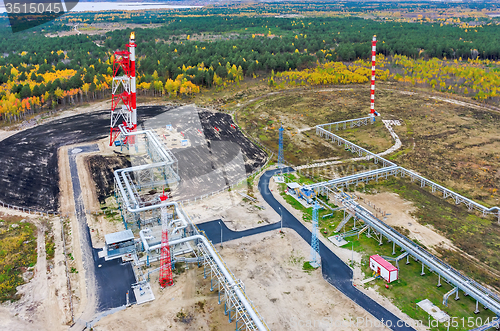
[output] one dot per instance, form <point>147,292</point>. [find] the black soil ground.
<point>30,174</point>
<point>220,127</point>
<point>101,168</point>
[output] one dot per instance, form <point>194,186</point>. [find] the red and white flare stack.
<point>372,88</point>
<point>124,90</point>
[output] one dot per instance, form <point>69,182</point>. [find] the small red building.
<point>383,268</point>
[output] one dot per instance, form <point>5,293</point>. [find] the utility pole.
<point>352,253</point>
<point>281,219</point>
<point>220,234</point>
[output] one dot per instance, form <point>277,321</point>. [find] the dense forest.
<point>188,49</point>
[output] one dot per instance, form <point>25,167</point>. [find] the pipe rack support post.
<point>381,242</point>
<point>477,308</point>
<point>393,248</point>
<point>408,259</point>
<point>439,281</point>
<point>423,272</point>
<point>456,295</point>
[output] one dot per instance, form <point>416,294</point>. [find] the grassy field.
<point>17,253</point>
<point>475,235</point>
<point>411,287</point>
<point>449,143</point>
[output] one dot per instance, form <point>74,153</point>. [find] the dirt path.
<point>99,225</point>
<point>78,283</point>
<point>44,301</point>
<point>400,215</point>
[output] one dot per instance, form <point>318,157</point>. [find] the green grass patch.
<point>50,246</point>
<point>17,252</point>
<point>308,267</point>
<point>411,287</point>
<point>475,235</point>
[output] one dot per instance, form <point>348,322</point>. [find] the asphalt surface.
<point>29,176</point>
<point>219,153</point>
<point>107,281</point>
<point>334,270</point>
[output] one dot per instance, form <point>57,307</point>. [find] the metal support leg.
<point>408,259</point>
<point>393,248</point>
<point>422,273</point>
<point>456,296</point>
<point>211,285</point>
<point>381,242</point>
<point>439,281</point>
<point>477,308</point>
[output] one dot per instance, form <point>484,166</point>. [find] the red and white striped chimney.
<point>372,88</point>
<point>133,107</point>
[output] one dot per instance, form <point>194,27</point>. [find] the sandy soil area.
<point>237,214</point>
<point>4,134</point>
<point>67,209</point>
<point>268,272</point>
<point>270,265</point>
<point>187,305</point>
<point>400,215</point>
<point>287,297</point>
<point>44,304</point>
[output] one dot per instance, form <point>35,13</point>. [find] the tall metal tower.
<point>373,113</point>
<point>124,89</point>
<point>166,278</point>
<point>280,150</point>
<point>315,257</point>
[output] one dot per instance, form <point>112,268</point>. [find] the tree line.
<point>193,52</point>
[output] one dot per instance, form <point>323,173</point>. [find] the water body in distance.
<point>104,6</point>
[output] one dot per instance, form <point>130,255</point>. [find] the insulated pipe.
<point>129,188</point>
<point>465,284</point>
<point>151,136</point>
<point>136,168</point>
<point>145,239</point>
<point>248,306</point>
<point>182,216</point>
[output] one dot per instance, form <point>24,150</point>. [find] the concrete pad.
<point>279,179</point>
<point>337,240</point>
<point>433,310</point>
<point>143,293</point>
<point>301,201</point>
<point>364,281</point>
